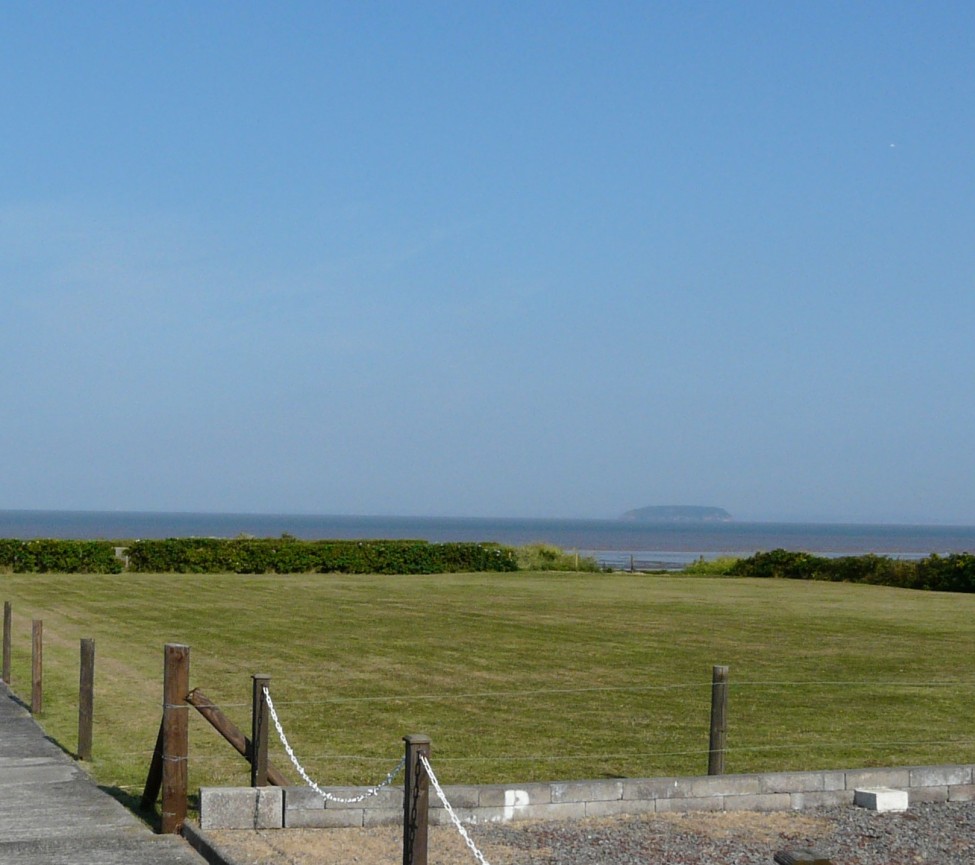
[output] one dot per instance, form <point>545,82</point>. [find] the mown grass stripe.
<point>593,674</point>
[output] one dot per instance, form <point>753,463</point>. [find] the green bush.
<point>9,552</point>
<point>255,556</point>
<point>58,556</point>
<point>781,564</point>
<point>288,555</point>
<point>952,573</point>
<point>873,569</point>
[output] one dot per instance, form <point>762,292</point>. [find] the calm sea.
<point>611,541</point>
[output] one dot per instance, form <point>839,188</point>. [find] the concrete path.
<point>51,813</point>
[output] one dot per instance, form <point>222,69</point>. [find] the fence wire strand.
<point>372,791</point>
<point>492,695</point>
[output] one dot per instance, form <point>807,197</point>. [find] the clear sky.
<point>489,259</point>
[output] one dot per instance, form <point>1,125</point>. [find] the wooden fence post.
<point>416,801</point>
<point>37,667</point>
<point>86,699</point>
<point>225,727</point>
<point>719,720</point>
<point>175,729</point>
<point>7,617</point>
<point>259,721</point>
<point>154,777</point>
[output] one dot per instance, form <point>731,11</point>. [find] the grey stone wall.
<point>300,807</point>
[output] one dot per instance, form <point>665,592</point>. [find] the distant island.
<point>677,514</point>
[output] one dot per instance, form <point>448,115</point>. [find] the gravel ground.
<point>930,834</point>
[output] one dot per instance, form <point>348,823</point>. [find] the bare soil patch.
<point>501,845</point>
<point>380,845</point>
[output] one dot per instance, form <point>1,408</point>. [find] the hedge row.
<point>64,557</point>
<point>951,573</point>
<point>290,556</point>
<point>254,556</point>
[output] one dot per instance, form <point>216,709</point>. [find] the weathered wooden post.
<point>175,737</point>
<point>37,667</point>
<point>7,617</point>
<point>259,722</point>
<point>86,699</point>
<point>416,801</point>
<point>719,720</point>
<point>154,778</point>
<point>225,727</point>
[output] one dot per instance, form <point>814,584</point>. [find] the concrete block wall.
<point>300,807</point>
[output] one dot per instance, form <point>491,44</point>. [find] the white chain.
<point>372,791</point>
<point>450,811</point>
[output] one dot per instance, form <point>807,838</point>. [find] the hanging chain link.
<point>450,812</point>
<point>372,791</point>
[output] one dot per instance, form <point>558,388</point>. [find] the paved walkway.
<point>51,813</point>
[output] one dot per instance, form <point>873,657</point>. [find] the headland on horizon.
<point>678,514</point>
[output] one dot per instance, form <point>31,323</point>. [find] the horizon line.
<point>837,521</point>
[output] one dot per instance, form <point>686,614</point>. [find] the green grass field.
<point>516,677</point>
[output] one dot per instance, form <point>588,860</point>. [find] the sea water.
<point>610,541</point>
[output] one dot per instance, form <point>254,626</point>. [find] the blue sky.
<point>507,259</point>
